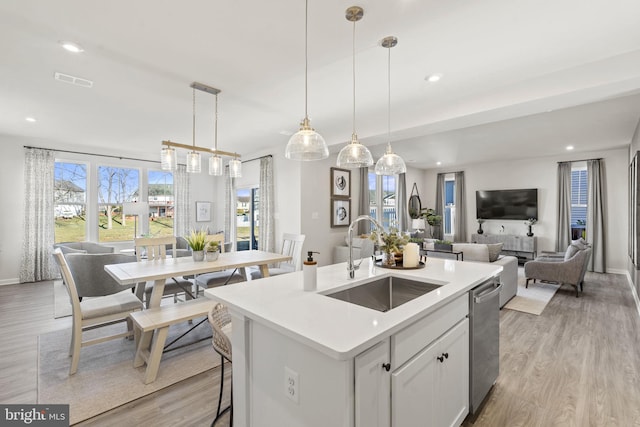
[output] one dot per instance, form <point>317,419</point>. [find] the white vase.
<point>198,255</point>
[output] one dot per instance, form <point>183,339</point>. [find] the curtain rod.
<point>583,160</point>
<point>257,158</point>
<point>445,173</point>
<point>92,154</point>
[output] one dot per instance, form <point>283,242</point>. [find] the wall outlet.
<point>291,388</point>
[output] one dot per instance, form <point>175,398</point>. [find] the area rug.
<point>533,299</point>
<point>106,377</point>
<point>62,303</point>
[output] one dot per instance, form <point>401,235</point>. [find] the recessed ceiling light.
<point>432,78</point>
<point>438,163</point>
<point>569,147</point>
<point>71,47</point>
<point>30,119</point>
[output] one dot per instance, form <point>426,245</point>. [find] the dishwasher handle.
<point>483,297</point>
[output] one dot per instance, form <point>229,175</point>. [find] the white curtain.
<point>563,215</point>
<point>37,246</point>
<point>230,205</point>
<point>460,224</point>
<point>595,215</point>
<point>266,233</point>
<point>181,183</point>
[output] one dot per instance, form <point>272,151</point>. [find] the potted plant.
<point>433,219</point>
<point>443,245</point>
<point>391,244</point>
<point>480,222</point>
<point>212,250</point>
<point>197,241</point>
<point>529,223</point>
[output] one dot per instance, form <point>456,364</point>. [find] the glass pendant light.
<point>194,164</point>
<point>235,168</point>
<point>354,155</point>
<point>168,159</point>
<point>215,161</point>
<point>390,163</point>
<point>306,144</point>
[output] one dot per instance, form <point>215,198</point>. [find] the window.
<point>578,202</point>
<point>449,211</point>
<point>382,199</point>
<point>247,225</point>
<point>116,186</point>
<point>70,198</point>
<point>161,203</point>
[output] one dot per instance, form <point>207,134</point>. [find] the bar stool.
<point>220,322</point>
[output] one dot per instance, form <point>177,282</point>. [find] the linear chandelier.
<point>168,155</point>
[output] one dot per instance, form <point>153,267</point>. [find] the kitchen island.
<point>306,359</point>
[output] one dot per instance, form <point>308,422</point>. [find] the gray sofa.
<point>362,248</point>
<point>480,252</point>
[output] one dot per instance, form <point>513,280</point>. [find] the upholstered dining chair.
<point>104,309</point>
<point>291,246</point>
<point>220,322</point>
<point>155,248</point>
<point>218,278</point>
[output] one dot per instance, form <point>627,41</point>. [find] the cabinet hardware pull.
<point>446,355</point>
<point>386,366</point>
<point>440,359</point>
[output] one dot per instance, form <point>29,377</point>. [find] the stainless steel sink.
<point>384,294</point>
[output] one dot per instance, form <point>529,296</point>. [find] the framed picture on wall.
<point>203,211</point>
<point>340,213</point>
<point>340,183</point>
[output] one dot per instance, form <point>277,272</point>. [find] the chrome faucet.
<point>351,266</point>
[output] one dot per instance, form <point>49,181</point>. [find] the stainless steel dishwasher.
<point>484,340</point>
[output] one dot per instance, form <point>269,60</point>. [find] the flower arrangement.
<point>391,242</point>
<point>530,222</point>
<point>196,240</point>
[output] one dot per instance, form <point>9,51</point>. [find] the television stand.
<point>522,247</point>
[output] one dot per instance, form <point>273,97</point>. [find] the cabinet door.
<point>372,383</point>
<point>414,390</point>
<point>453,375</point>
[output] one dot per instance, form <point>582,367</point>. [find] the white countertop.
<point>340,329</point>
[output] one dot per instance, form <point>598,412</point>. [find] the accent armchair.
<point>570,271</point>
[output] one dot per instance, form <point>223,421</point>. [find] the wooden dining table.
<point>159,271</point>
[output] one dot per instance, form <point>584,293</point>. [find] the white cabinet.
<point>430,387</point>
<point>373,385</point>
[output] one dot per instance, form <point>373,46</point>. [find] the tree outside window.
<point>70,197</point>
<point>115,186</point>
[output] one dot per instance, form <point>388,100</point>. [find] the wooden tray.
<point>398,267</point>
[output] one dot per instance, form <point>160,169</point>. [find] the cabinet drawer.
<point>409,341</point>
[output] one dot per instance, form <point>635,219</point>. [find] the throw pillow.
<point>494,251</point>
<point>581,244</point>
<point>571,251</point>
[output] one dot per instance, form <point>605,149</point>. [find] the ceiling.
<point>519,78</point>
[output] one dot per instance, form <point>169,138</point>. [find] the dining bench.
<point>151,327</point>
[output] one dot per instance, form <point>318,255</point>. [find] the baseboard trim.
<point>14,281</point>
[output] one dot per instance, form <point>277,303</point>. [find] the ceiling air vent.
<point>78,81</point>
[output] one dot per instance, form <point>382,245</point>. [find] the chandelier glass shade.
<point>194,162</point>
<point>168,159</point>
<point>235,168</point>
<point>354,155</point>
<point>306,144</point>
<point>215,165</point>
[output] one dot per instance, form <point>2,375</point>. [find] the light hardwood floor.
<point>577,364</point>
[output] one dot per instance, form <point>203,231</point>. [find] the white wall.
<point>541,173</point>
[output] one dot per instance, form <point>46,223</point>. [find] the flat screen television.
<point>507,204</point>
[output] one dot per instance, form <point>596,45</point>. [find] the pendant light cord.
<point>215,139</point>
<point>306,57</point>
<point>194,117</point>
<point>389,99</point>
<point>354,77</point>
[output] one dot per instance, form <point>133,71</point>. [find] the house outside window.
<point>247,224</point>
<point>161,203</point>
<point>579,201</point>
<point>70,198</point>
